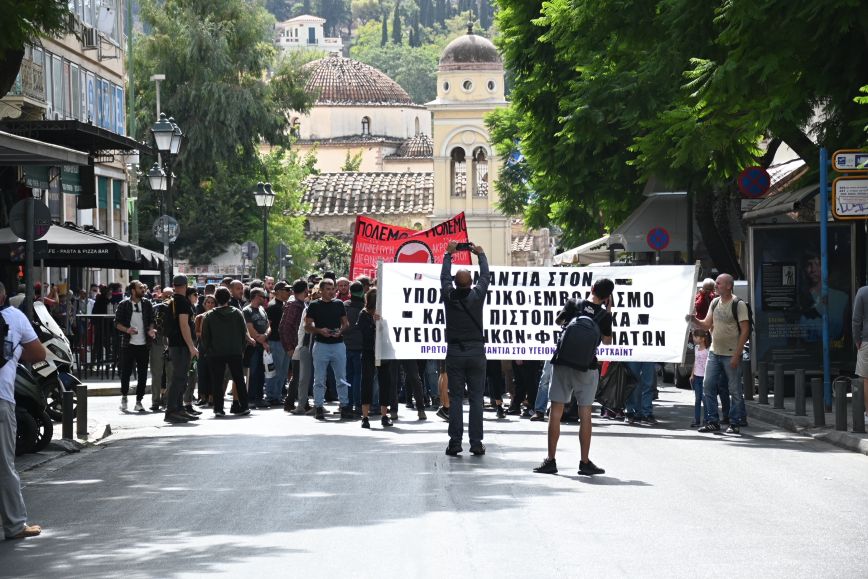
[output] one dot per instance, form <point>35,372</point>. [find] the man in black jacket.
<point>465,350</point>
<point>135,320</point>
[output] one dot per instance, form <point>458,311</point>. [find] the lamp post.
<point>265,199</point>
<point>167,137</point>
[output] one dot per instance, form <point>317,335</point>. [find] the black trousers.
<point>368,371</point>
<point>467,370</point>
<point>387,376</point>
<point>136,356</point>
<point>236,370</point>
<point>526,376</point>
<point>206,383</point>
<point>412,381</point>
<point>494,376</point>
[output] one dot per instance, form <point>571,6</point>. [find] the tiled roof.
<point>522,242</point>
<point>342,81</point>
<point>350,193</point>
<point>418,147</point>
<point>351,140</point>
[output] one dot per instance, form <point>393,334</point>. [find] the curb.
<point>61,447</point>
<point>804,426</point>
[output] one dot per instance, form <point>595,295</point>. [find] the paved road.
<point>286,496</point>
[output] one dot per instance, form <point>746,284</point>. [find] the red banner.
<point>376,241</point>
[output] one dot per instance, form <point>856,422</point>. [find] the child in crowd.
<point>700,341</point>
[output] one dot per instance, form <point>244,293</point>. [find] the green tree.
<point>352,163</point>
<point>214,55</point>
<point>24,22</point>
<point>384,36</point>
<point>334,255</point>
<point>397,35</point>
<point>610,94</point>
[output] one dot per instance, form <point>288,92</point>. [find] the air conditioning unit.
<point>89,38</point>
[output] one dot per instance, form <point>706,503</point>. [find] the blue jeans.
<point>354,376</point>
<point>431,378</point>
<point>334,355</point>
<point>642,398</point>
<point>256,383</point>
<point>274,386</point>
<point>697,403</point>
<point>542,393</point>
<point>716,368</point>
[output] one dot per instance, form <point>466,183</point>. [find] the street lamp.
<point>264,198</point>
<point>167,138</point>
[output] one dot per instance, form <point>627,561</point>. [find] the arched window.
<point>459,172</point>
<point>480,172</point>
<point>417,125</point>
<point>366,125</point>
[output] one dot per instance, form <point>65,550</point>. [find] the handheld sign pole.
<point>824,271</point>
<point>378,343</point>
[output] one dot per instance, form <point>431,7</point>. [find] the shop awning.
<point>781,203</point>
<point>70,246</point>
<point>73,134</point>
<point>17,150</point>
<point>597,251</point>
<point>659,211</point>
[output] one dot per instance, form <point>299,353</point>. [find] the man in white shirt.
<point>135,320</point>
<point>19,342</point>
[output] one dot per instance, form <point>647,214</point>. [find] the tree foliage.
<point>25,22</point>
<point>215,56</point>
<point>611,93</point>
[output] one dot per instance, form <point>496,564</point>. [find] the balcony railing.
<point>30,82</point>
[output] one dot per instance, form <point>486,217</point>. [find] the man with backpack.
<point>729,321</point>
<point>575,370</point>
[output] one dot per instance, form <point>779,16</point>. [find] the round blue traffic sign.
<point>753,182</point>
<point>658,239</point>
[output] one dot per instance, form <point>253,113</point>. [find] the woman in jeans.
<point>367,324</point>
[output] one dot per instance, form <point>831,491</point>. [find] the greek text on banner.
<point>648,311</point>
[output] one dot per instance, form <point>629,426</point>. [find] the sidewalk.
<point>788,420</point>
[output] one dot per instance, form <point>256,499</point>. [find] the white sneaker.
<point>123,403</point>
<point>139,407</point>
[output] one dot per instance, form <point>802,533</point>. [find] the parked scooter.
<point>35,427</point>
<point>55,373</point>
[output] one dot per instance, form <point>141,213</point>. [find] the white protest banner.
<point>649,308</point>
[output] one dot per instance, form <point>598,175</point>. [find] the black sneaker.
<point>219,414</point>
<point>235,408</point>
<point>319,413</point>
<point>514,411</point>
<point>590,469</point>
<point>501,413</point>
<point>527,413</point>
<point>548,466</point>
<point>538,417</point>
<point>633,419</point>
<point>347,414</point>
<point>733,429</point>
<point>649,419</point>
<point>385,421</point>
<point>190,410</point>
<point>365,422</point>
<point>453,449</point>
<point>175,418</point>
<point>443,413</point>
<point>477,450</point>
<point>710,427</point>
<point>244,412</point>
<point>421,415</point>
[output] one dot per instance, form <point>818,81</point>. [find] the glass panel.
<point>88,12</point>
<point>84,114</point>
<point>67,91</point>
<point>102,192</point>
<point>49,95</point>
<point>57,79</point>
<point>75,88</point>
<point>119,127</point>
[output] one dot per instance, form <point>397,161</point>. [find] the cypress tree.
<point>384,37</point>
<point>397,36</point>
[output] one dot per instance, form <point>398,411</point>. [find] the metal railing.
<point>30,81</point>
<point>95,346</point>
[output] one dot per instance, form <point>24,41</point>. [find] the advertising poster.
<point>787,305</point>
<point>649,308</point>
<point>375,241</point>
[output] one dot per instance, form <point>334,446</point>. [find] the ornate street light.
<point>163,131</point>
<point>177,137</point>
<point>157,178</point>
<point>265,199</point>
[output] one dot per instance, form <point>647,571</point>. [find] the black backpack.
<point>577,347</point>
<point>735,300</point>
<point>4,333</point>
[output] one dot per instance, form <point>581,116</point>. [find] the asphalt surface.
<point>285,496</point>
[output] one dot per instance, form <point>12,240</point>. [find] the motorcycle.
<point>35,427</point>
<point>54,373</point>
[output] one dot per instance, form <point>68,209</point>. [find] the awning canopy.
<point>659,211</point>
<point>781,203</point>
<point>69,246</point>
<point>597,251</point>
<point>16,150</point>
<point>74,135</point>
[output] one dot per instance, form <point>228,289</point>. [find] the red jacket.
<point>702,302</point>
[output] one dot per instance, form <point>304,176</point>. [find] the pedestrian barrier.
<point>780,389</point>
<point>817,401</point>
<point>800,393</point>
<point>96,344</point>
<point>763,382</point>
<point>68,412</point>
<point>858,405</point>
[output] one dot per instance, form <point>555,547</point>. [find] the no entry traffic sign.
<point>658,239</point>
<point>753,182</point>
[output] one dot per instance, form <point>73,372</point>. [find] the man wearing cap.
<point>181,350</point>
<point>274,312</point>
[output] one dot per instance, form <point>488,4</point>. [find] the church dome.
<point>470,52</point>
<point>342,81</point>
<point>418,147</point>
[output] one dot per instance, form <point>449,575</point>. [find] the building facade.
<point>305,33</point>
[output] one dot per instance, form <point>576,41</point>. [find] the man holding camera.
<point>465,350</point>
